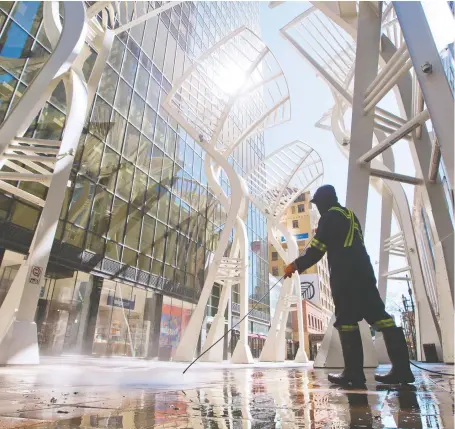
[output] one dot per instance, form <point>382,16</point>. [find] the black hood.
<point>324,198</point>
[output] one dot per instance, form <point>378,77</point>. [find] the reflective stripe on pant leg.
<point>384,323</point>
<point>348,328</point>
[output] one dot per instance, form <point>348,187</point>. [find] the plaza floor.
<point>73,392</point>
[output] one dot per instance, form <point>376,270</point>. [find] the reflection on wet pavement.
<point>99,393</point>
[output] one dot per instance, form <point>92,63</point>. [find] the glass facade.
<point>138,212</point>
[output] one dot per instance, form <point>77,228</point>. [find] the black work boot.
<point>398,353</point>
<point>352,375</point>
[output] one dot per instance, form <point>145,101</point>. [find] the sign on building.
<point>35,275</point>
<point>298,237</point>
<point>309,285</point>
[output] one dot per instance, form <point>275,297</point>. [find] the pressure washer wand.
<point>243,318</point>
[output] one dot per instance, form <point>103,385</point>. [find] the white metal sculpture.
<point>335,58</point>
<point>273,185</point>
<point>237,71</point>
<point>49,162</point>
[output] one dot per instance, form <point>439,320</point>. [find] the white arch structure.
<point>49,162</point>
<point>274,185</point>
<point>237,71</point>
<point>356,41</point>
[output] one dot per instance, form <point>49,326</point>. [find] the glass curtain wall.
<point>138,207</point>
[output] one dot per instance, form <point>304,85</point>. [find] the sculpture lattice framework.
<point>402,50</point>
<point>237,73</point>
<point>49,162</point>
<point>274,184</point>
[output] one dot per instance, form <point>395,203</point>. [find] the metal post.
<point>431,75</point>
<point>366,68</point>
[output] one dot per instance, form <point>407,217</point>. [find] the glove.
<point>289,270</point>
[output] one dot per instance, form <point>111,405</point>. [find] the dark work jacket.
<point>349,263</point>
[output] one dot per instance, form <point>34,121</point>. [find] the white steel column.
<point>202,101</point>
<point>18,334</point>
<point>366,69</point>
<point>362,125</point>
<point>431,76</point>
<point>274,184</point>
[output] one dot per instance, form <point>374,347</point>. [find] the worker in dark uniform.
<point>354,291</point>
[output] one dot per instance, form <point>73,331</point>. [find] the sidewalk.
<point>75,392</point>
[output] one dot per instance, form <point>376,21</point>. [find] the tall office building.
<point>139,222</point>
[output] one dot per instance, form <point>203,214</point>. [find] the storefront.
<point>79,313</point>
<point>175,316</point>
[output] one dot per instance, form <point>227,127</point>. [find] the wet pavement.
<point>124,393</point>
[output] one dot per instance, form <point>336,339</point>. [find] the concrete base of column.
<point>268,353</point>
<point>381,350</point>
<point>20,345</point>
<point>330,354</point>
<point>301,356</point>
<point>242,353</point>
<point>216,331</point>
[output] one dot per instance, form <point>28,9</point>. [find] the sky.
<point>311,98</point>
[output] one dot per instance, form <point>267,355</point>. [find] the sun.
<point>230,79</point>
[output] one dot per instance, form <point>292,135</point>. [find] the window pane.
<point>100,120</point>
<point>108,84</point>
<point>116,131</point>
<point>80,205</point>
<point>133,229</point>
<point>153,94</point>
<point>95,244</point>
<point>15,42</point>
<point>142,80</point>
<point>156,163</point>
<point>129,67</point>
<point>139,188</point>
<point>90,162</point>
<point>137,110</point>
<point>158,245</point>
<point>163,205</point>
<point>123,98</point>
<point>7,85</point>
<point>50,125</point>
<point>131,143</point>
<point>118,218</point>
<point>174,212</point>
<point>109,169</point>
<point>170,56</point>
<point>144,153</point>
<point>144,263</point>
<point>99,218</point>
<point>116,55</point>
<point>74,235</point>
<point>113,250</point>
<point>148,125</point>
<point>150,36</point>
<point>160,132</point>
<point>158,55</point>
<point>24,216</point>
<point>151,204</point>
<point>171,247</point>
<point>147,236</point>
<point>125,179</point>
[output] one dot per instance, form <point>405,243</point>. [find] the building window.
<point>301,208</point>
<point>295,223</point>
<point>274,256</point>
<point>275,271</point>
<point>293,209</point>
<point>300,198</point>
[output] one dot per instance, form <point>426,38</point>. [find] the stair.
<point>32,160</point>
<point>230,270</point>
